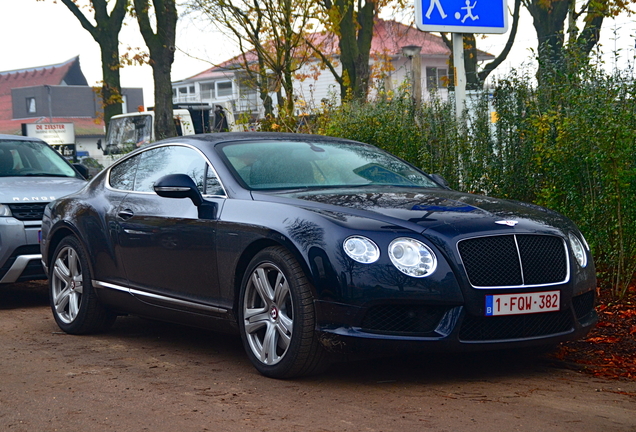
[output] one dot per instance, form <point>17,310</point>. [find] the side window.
<point>162,161</point>
<point>122,175</point>
<point>212,183</point>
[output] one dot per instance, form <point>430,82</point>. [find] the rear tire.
<point>277,317</point>
<point>75,306</point>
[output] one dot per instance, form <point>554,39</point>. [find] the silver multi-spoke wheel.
<point>67,284</point>
<point>75,306</point>
<point>277,317</point>
<point>268,313</point>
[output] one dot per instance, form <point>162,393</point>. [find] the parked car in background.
<point>312,247</point>
<point>32,174</point>
<point>92,165</point>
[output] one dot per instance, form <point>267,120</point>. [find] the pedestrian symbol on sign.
<point>462,16</point>
<point>469,12</point>
<point>435,3</point>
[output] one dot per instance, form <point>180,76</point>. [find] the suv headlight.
<point>578,249</point>
<point>5,210</point>
<point>412,257</point>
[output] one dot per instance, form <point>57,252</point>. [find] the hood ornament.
<point>509,223</point>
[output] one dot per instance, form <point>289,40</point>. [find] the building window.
<point>223,89</point>
<point>207,91</point>
<point>30,105</point>
<point>436,78</point>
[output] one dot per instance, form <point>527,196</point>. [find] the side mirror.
<point>440,180</point>
<point>178,186</point>
<point>82,169</point>
<point>182,186</point>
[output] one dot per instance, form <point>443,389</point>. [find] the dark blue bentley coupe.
<point>312,248</point>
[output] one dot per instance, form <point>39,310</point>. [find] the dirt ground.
<point>148,376</point>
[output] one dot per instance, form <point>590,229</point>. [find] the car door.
<point>168,252</point>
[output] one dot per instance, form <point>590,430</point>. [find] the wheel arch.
<point>59,233</point>
<point>250,252</point>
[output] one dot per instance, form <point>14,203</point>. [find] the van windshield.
<point>133,131</point>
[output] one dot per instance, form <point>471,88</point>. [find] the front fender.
<point>316,238</point>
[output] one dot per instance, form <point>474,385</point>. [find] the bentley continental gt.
<point>312,248</point>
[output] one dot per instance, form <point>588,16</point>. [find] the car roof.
<point>221,137</point>
<point>4,137</point>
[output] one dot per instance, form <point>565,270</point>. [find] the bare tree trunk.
<point>106,33</point>
<point>161,47</point>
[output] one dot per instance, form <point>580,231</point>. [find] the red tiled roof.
<point>390,36</point>
<point>30,77</point>
<point>388,39</point>
<point>54,75</point>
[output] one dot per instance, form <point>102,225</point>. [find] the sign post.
<point>459,17</point>
<point>460,73</point>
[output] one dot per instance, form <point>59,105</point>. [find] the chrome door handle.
<point>125,214</point>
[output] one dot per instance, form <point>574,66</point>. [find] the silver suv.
<point>32,174</point>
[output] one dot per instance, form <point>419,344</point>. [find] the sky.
<point>43,33</point>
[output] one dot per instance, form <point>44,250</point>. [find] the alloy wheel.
<point>268,313</point>
<point>67,283</point>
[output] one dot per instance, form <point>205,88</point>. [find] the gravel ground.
<point>144,375</point>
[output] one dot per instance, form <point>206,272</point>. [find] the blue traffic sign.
<point>462,16</point>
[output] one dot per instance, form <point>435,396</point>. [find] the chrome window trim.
<point>117,162</point>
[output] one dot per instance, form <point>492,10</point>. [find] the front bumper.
<point>20,257</point>
<point>413,328</point>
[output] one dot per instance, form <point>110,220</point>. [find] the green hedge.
<point>569,145</point>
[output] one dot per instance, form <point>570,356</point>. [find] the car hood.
<point>445,211</point>
<point>37,189</point>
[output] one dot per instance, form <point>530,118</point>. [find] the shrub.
<point>569,145</point>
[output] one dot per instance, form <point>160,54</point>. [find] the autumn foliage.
<point>610,348</point>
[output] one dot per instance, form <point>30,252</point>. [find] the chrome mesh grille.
<point>514,260</point>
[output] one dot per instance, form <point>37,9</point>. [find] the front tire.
<point>277,317</point>
<point>75,306</point>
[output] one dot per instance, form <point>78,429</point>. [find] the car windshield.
<point>303,164</point>
<point>32,158</point>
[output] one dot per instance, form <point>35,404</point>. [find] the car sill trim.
<point>177,302</point>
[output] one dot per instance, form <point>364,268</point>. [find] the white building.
<point>226,84</point>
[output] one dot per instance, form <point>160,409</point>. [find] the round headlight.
<point>412,257</point>
<point>578,249</point>
<point>361,249</point>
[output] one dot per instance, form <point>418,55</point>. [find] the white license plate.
<point>526,303</point>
